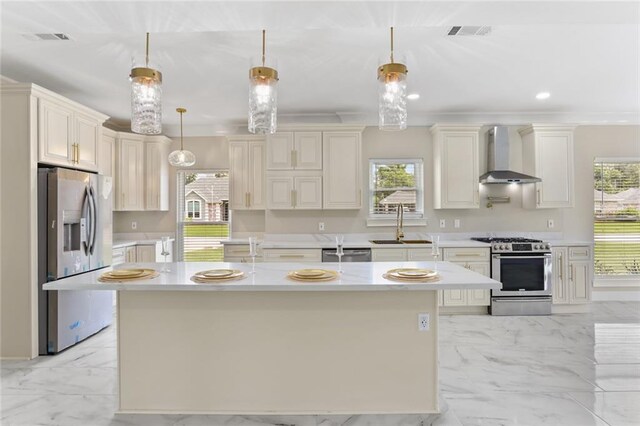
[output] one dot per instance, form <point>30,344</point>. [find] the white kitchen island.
<point>270,345</point>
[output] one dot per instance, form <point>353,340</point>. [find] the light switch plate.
<point>456,223</point>
<point>134,225</point>
<point>550,223</point>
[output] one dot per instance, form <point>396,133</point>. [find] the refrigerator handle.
<point>85,237</point>
<point>93,217</point>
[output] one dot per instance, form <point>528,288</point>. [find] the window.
<point>395,182</point>
<point>203,215</point>
<point>193,209</point>
<point>617,218</point>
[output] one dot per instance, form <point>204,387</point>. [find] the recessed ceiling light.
<point>413,96</point>
<point>543,95</point>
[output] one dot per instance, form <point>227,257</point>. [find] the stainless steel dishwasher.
<point>350,255</point>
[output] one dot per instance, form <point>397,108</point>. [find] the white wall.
<point>590,142</point>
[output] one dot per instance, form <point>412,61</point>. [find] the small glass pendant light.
<point>263,97</point>
<point>182,158</point>
<point>146,98</point>
<point>392,94</point>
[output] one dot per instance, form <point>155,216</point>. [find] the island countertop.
<point>366,276</point>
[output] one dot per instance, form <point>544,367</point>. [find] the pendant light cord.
<point>146,57</point>
<point>391,44</point>
<point>181,142</point>
<point>263,45</point>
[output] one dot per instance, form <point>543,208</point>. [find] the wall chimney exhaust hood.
<point>498,160</point>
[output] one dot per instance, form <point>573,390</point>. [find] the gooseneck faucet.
<point>399,220</point>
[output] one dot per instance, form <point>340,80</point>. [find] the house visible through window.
<point>393,182</point>
<point>193,209</point>
<point>203,215</point>
<point>617,218</point>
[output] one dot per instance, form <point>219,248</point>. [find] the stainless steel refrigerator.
<point>75,234</point>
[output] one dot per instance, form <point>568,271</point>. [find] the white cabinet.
<point>389,255</point>
<point>474,259</point>
<point>240,253</point>
<point>548,154</point>
<point>68,134</point>
<point>146,253</point>
<point>131,254</point>
<point>342,173</point>
<point>107,153</point>
<point>572,275</point>
<point>246,170</point>
<point>294,151</point>
<point>156,174</point>
<point>129,172</point>
<point>456,166</point>
<point>294,192</point>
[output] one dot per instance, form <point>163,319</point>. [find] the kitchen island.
<point>270,345</point>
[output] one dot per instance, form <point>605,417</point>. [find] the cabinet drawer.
<point>238,250</point>
<point>579,253</point>
<point>466,254</point>
<point>292,255</point>
<point>241,259</point>
<point>389,255</point>
<point>422,255</point>
<point>118,256</point>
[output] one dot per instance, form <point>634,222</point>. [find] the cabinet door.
<point>559,275</point>
<point>479,297</point>
<point>308,150</point>
<point>130,254</point>
<point>342,172</point>
<point>255,178</point>
<point>156,176</point>
<point>456,165</point>
<point>106,155</point>
<point>146,254</point>
<point>280,193</point>
<point>554,161</point>
<point>454,297</point>
<point>580,281</point>
<point>280,151</point>
<point>87,134</point>
<point>308,193</point>
<point>238,186</point>
<point>131,174</point>
<point>54,133</point>
<point>423,255</point>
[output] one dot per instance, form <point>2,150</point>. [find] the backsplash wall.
<point>416,142</point>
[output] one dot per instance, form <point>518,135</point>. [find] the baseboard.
<point>463,310</point>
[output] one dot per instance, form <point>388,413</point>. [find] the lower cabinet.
<point>292,255</point>
<point>147,253</point>
<point>477,260</point>
<point>572,275</point>
<point>240,253</point>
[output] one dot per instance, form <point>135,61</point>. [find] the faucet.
<point>399,219</point>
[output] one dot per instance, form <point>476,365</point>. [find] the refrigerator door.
<point>102,241</point>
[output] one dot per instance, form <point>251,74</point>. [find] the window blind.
<point>617,218</point>
<point>202,215</point>
<point>392,182</point>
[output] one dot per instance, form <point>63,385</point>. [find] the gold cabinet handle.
<point>466,254</point>
<point>291,256</point>
<point>538,197</point>
<point>293,198</point>
<point>293,159</point>
<point>561,265</point>
<point>570,272</point>
<point>246,199</point>
<point>78,153</point>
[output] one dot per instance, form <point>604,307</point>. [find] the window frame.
<point>199,211</point>
<point>419,214</point>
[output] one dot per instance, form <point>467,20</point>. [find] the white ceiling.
<point>586,54</point>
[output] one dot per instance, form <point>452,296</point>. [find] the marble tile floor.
<point>578,369</point>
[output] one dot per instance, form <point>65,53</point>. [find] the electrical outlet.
<point>320,226</point>
<point>443,223</point>
<point>549,223</point>
<point>456,223</point>
<point>423,322</point>
<point>134,225</point>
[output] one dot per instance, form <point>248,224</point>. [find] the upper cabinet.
<point>69,134</point>
<point>140,167</point>
<point>548,154</point>
<point>456,166</point>
<point>294,151</point>
<point>342,174</point>
<point>246,173</point>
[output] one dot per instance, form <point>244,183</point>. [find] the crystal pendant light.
<point>182,158</point>
<point>146,98</point>
<point>263,97</point>
<point>392,94</point>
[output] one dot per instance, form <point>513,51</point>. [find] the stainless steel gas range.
<point>523,266</point>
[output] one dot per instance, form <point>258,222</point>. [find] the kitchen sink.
<point>400,242</point>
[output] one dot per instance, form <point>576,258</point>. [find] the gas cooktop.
<point>490,240</point>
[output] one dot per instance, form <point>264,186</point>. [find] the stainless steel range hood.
<point>498,160</point>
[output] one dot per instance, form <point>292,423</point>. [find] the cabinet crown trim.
<point>546,127</point>
<point>452,127</point>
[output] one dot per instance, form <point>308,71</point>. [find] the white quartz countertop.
<point>144,242</point>
<point>366,276</point>
<point>569,243</point>
<point>353,244</point>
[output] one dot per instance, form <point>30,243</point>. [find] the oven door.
<point>522,275</point>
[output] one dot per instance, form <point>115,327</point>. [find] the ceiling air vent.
<point>46,37</point>
<point>469,30</point>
